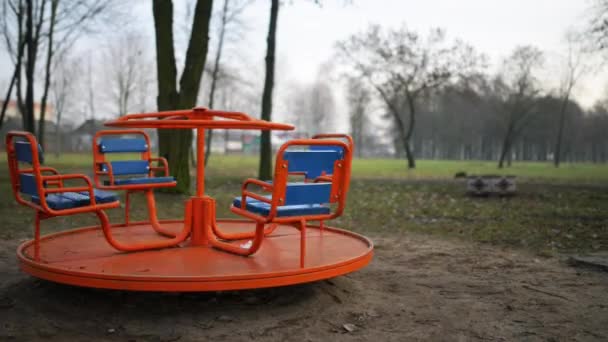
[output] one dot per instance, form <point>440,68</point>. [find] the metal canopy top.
<point>198,117</point>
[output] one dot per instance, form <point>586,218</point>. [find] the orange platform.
<point>82,257</point>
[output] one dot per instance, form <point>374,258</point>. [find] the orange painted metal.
<point>91,262</point>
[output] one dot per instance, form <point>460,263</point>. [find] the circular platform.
<point>82,257</point>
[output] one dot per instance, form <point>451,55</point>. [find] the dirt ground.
<point>417,288</point>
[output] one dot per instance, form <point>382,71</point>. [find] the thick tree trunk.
<point>28,115</point>
<point>265,143</point>
<point>175,145</point>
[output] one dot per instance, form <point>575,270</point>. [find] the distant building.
<point>12,111</point>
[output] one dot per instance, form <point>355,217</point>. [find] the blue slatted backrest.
<point>307,193</point>
<point>27,184</point>
<point>128,167</point>
<point>313,163</point>
<point>327,148</point>
<point>118,145</point>
<point>23,149</point>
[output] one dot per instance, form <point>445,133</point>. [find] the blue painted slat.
<point>313,163</point>
<point>128,167</point>
<point>78,199</point>
<point>23,150</point>
<point>27,184</point>
<point>118,145</point>
<point>142,180</point>
<point>307,193</point>
<point>102,196</point>
<point>263,209</point>
<point>327,148</point>
<point>58,201</point>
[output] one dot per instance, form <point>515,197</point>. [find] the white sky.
<point>307,32</point>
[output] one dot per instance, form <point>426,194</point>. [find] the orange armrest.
<point>164,167</point>
<point>88,187</point>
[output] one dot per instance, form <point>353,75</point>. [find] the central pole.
<point>200,162</point>
<point>201,218</point>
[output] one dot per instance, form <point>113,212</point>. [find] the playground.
<point>444,265</point>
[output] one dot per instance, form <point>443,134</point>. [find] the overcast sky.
<point>307,32</point>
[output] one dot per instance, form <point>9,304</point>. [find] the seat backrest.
<point>307,193</point>
<point>19,149</point>
<point>312,163</point>
<point>23,152</point>
<point>106,143</point>
<point>327,148</point>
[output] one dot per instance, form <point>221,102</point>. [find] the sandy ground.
<point>417,288</point>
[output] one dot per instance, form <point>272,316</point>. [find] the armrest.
<point>246,193</point>
<point>109,172</point>
<point>88,188</point>
<point>164,168</point>
<point>46,169</point>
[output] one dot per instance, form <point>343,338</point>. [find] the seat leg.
<point>147,245</point>
<point>241,236</point>
<point>153,217</point>
<point>37,235</point>
<point>256,243</point>
<point>127,206</point>
<point>302,242</point>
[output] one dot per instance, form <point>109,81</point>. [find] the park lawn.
<point>556,210</point>
<point>247,166</point>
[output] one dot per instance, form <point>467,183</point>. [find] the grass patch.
<point>556,210</point>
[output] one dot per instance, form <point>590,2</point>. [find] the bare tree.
<point>575,67</point>
<point>402,66</point>
<point>175,145</point>
<point>359,99</point>
<point>518,88</point>
<point>25,24</point>
<point>126,70</point>
<point>63,93</point>
<point>228,18</point>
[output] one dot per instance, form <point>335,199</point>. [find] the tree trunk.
<point>265,143</point>
<point>506,147</point>
<point>28,115</point>
<point>175,145</point>
<point>411,162</point>
<point>47,79</point>
<point>560,131</point>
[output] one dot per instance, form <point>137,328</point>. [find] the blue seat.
<point>263,208</point>
<point>68,200</point>
<point>138,170</point>
<point>142,180</point>
<point>301,199</point>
